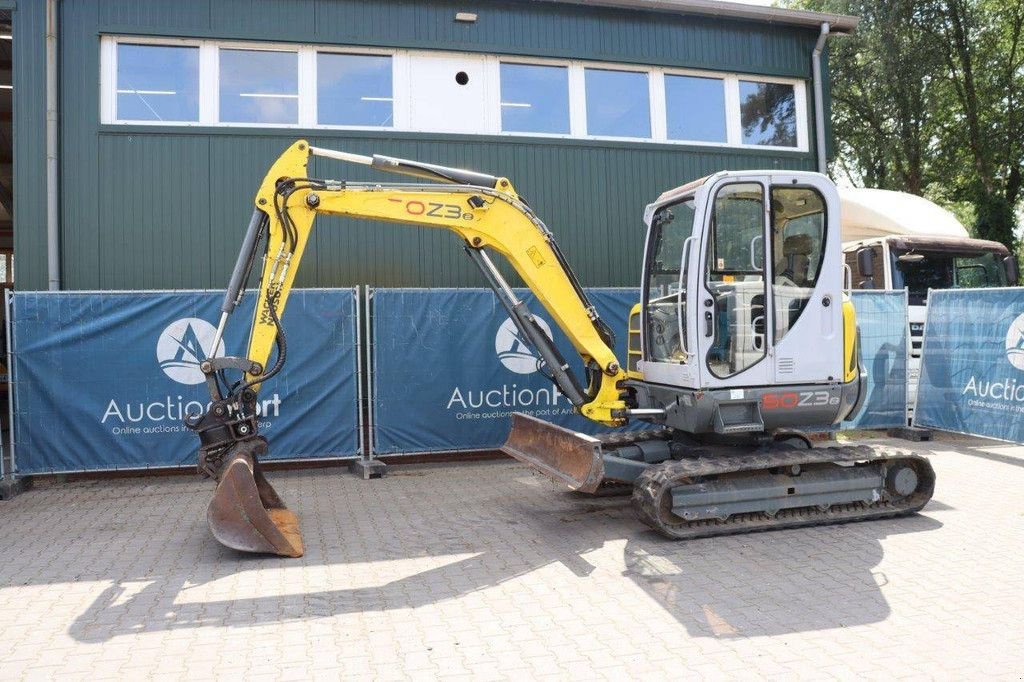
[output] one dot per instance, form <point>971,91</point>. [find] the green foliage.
<point>927,99</point>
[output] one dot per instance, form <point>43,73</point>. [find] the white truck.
<point>894,240</point>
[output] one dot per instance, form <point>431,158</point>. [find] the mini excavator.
<point>744,337</point>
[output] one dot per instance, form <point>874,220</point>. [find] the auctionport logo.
<point>513,350</point>
<point>1015,343</point>
<point>182,346</point>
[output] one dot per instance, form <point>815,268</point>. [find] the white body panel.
<point>812,351</point>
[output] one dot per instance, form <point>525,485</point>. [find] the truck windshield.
<point>919,271</point>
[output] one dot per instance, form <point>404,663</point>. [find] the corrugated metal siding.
<point>154,225</point>
<point>29,116</point>
<point>82,246</point>
<point>172,208</point>
<point>146,207</point>
<point>502,27</point>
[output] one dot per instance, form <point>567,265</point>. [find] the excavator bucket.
<point>564,456</point>
<point>246,512</point>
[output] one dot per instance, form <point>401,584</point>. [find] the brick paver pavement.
<point>488,571</point>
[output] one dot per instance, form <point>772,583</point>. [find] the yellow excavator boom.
<point>485,218</point>
<point>484,211</point>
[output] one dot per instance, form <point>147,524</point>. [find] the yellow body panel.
<point>851,353</point>
<point>633,348</point>
<point>291,164</point>
<point>500,222</point>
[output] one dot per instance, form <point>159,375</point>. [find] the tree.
<point>883,78</point>
<point>927,99</point>
<point>984,62</point>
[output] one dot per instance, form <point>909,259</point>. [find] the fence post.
<point>908,346</point>
<point>366,467</point>
<point>10,484</point>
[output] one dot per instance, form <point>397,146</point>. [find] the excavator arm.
<point>483,210</point>
<point>486,216</point>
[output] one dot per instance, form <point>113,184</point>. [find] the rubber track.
<point>653,501</point>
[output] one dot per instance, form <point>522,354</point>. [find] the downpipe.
<point>819,100</point>
<point>52,168</point>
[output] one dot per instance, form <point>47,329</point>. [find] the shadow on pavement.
<point>167,573</point>
<point>791,581</point>
<point>992,456</point>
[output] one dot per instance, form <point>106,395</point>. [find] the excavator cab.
<point>735,264</point>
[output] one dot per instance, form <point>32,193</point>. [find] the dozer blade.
<point>246,512</point>
<point>565,456</point>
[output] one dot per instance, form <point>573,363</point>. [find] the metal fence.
<point>449,368</point>
<point>409,370</point>
<point>972,363</point>
<point>884,335</point>
<point>102,380</point>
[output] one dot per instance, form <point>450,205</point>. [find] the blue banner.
<point>450,368</point>
<point>102,380</point>
<point>972,363</point>
<point>882,322</point>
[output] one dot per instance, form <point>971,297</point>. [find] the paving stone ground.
<point>487,571</point>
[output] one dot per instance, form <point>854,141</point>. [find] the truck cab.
<point>894,241</point>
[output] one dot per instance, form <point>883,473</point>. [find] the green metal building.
<point>164,116</point>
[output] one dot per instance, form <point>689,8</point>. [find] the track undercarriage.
<point>686,489</point>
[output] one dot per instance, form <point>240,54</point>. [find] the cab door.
<point>668,356</point>
<point>731,304</point>
<point>806,281</point>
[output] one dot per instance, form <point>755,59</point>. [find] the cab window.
<point>664,288</point>
<point>734,276</point>
<point>797,247</point>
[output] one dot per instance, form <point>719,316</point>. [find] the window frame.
<point>777,338</point>
<point>730,112</point>
<point>401,65</point>
<point>494,105</point>
<point>108,79</point>
<point>651,99</point>
<point>710,234</point>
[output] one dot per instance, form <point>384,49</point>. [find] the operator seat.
<point>791,279</point>
<point>795,261</point>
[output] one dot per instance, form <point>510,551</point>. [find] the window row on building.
<point>199,82</point>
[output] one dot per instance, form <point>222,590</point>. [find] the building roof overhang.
<point>838,23</point>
